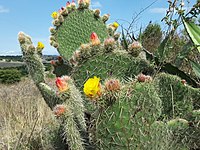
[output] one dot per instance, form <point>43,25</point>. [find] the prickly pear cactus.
<point>131,110</point>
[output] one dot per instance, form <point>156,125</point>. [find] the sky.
<point>33,17</point>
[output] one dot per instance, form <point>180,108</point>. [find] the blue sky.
<point>34,18</point>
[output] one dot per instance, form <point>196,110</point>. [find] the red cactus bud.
<point>93,36</point>
<point>94,39</point>
<point>61,84</point>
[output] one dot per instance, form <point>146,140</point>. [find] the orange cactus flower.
<point>61,84</point>
<point>59,110</point>
<point>94,39</point>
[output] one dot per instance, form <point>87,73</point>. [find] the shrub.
<point>9,76</point>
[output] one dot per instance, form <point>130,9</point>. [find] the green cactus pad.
<point>76,30</point>
<point>178,99</point>
<point>126,124</point>
<point>116,64</point>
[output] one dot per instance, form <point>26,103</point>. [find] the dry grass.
<point>24,117</point>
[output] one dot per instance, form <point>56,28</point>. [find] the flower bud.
<point>73,5</point>
<point>94,39</point>
<point>105,17</point>
<point>55,45</point>
<point>97,13</point>
<point>109,44</point>
<point>52,30</point>
<point>135,48</point>
<point>61,84</point>
<point>144,78</point>
<point>112,85</point>
<point>58,110</point>
<point>183,82</point>
<point>56,22</point>
<point>60,18</point>
<point>21,37</point>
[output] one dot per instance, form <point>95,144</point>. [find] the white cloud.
<point>158,10</point>
<point>4,10</point>
<point>96,4</point>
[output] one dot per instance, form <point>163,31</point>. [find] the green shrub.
<point>151,37</point>
<point>8,76</point>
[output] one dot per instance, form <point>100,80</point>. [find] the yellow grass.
<point>24,117</point>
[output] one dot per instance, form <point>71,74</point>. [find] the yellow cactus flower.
<point>92,87</point>
<point>40,45</point>
<point>54,15</point>
<point>115,25</point>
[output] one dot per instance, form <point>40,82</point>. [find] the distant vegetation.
<point>10,76</point>
<point>11,58</point>
<point>12,68</point>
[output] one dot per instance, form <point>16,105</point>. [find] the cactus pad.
<point>76,30</point>
<point>126,124</point>
<point>115,64</point>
